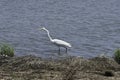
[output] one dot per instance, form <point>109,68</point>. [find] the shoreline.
<point>70,68</point>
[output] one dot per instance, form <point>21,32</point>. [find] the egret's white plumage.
<point>58,42</point>
<point>61,43</point>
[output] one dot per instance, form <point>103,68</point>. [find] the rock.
<point>109,73</point>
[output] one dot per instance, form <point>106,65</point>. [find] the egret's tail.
<point>69,45</point>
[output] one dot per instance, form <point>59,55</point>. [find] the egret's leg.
<point>59,50</point>
<point>66,50</point>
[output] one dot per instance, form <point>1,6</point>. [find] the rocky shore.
<point>71,68</point>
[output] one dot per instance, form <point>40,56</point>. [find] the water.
<point>91,26</point>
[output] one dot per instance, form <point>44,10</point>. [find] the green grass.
<point>6,49</point>
<point>117,55</point>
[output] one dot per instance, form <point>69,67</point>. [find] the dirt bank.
<point>72,68</point>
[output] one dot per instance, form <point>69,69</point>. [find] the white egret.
<point>57,42</point>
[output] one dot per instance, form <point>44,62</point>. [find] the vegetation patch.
<point>6,50</point>
<point>117,56</point>
<point>35,68</point>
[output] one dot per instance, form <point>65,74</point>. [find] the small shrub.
<point>6,49</point>
<point>117,56</point>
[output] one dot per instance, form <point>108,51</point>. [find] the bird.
<point>57,42</point>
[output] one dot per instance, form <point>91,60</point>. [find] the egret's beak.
<point>40,28</point>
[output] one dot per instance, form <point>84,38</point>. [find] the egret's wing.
<point>61,43</point>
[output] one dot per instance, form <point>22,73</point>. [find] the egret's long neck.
<point>48,34</point>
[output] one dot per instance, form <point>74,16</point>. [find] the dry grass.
<point>31,67</point>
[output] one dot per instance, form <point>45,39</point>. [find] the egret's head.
<point>43,28</point>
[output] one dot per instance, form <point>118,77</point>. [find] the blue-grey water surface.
<point>91,26</point>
